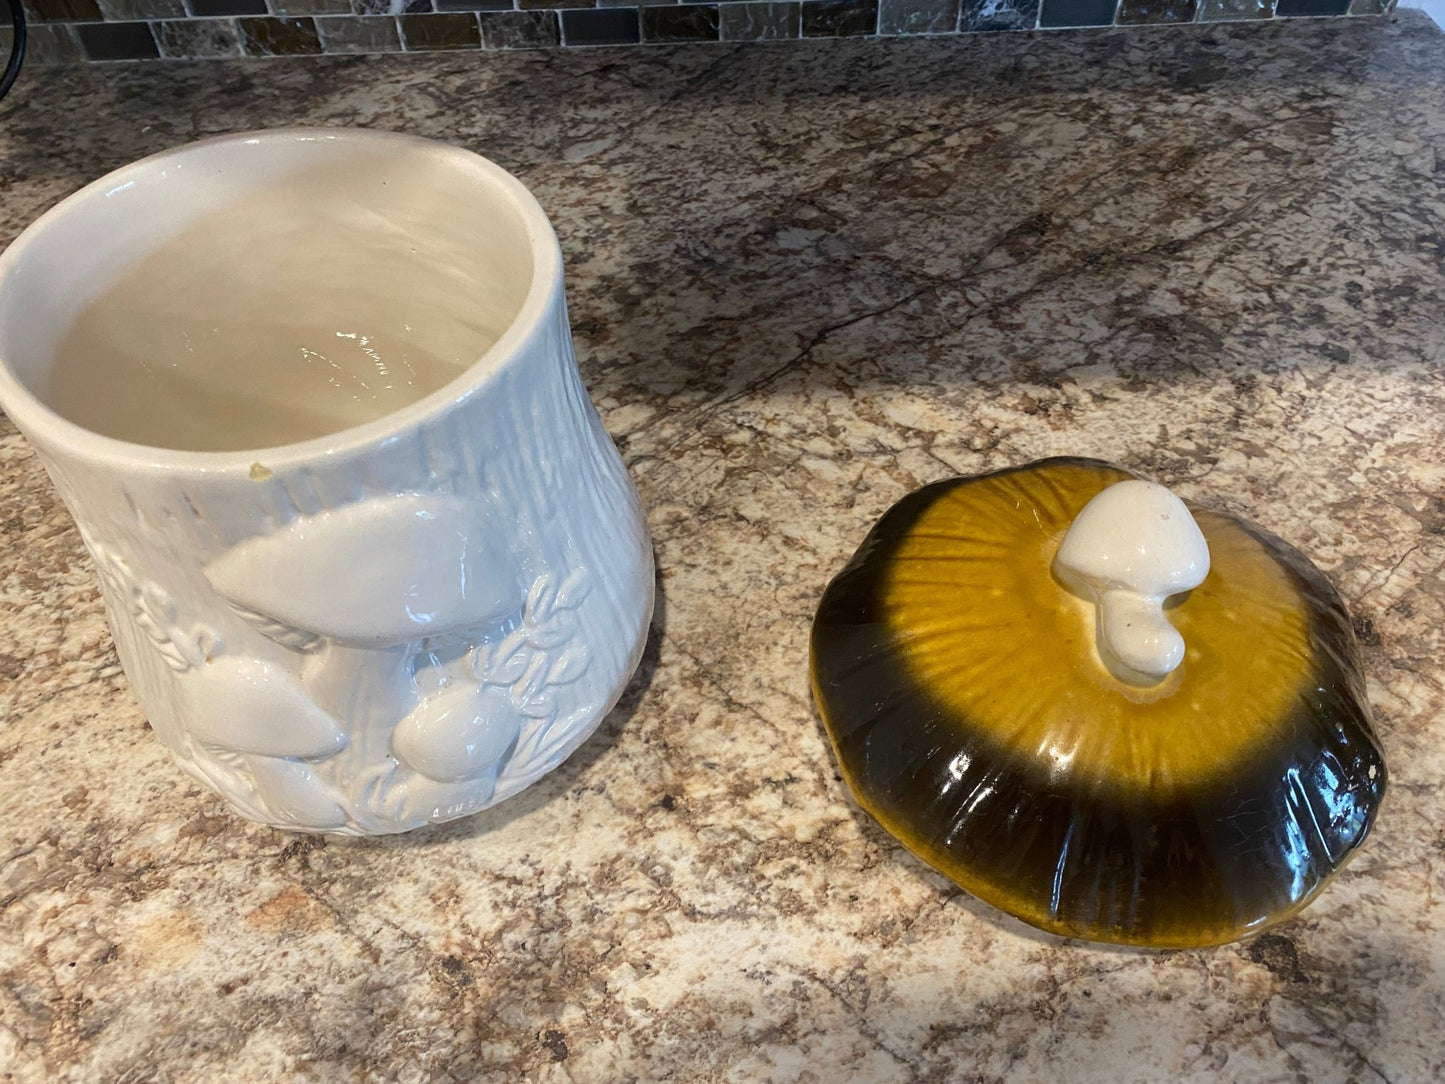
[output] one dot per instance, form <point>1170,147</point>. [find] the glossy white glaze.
<point>1130,549</point>
<point>399,623</point>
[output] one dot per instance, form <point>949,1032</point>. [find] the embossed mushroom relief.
<point>1114,715</point>
<point>416,686</point>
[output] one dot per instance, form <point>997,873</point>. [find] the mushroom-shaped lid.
<point>379,572</point>
<point>977,667</point>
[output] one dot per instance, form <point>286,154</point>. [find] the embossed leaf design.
<point>540,601</point>
<point>532,662</point>
<point>503,663</point>
<point>530,683</point>
<point>569,666</point>
<point>538,706</point>
<point>556,632</point>
<point>574,590</point>
<point>154,611</point>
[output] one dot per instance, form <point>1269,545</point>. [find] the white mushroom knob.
<point>1131,548</point>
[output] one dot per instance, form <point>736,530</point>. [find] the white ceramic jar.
<point>366,630</point>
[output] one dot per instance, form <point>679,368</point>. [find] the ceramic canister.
<point>397,623</point>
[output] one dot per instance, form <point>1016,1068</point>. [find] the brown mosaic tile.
<point>1139,12</point>
<point>358,34</point>
<point>684,22</point>
<point>390,7</point>
<point>117,41</point>
<point>1077,12</point>
<point>62,11</point>
<point>124,10</point>
<point>1224,10</point>
<point>279,37</point>
<point>917,16</point>
<point>427,32</point>
<point>601,27</point>
<point>310,7</point>
<point>219,28</point>
<point>1287,8</point>
<point>991,15</point>
<point>177,38</point>
<point>840,18</point>
<point>50,45</point>
<point>761,22</point>
<point>226,7</point>
<point>520,29</point>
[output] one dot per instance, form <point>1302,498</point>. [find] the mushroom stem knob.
<point>1129,549</point>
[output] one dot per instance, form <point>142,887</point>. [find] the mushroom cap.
<point>380,572</point>
<point>971,716</point>
<point>1136,536</point>
<point>1131,547</point>
<point>253,706</point>
<point>459,734</point>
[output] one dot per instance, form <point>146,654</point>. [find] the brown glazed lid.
<point>987,708</point>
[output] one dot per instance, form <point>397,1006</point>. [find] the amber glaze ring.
<point>960,684</point>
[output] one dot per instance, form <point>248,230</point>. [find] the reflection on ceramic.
<point>406,613</point>
<point>965,666</point>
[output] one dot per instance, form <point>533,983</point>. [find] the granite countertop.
<point>804,280</point>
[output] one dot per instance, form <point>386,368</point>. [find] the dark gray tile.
<point>1312,7</point>
<point>425,33</point>
<point>390,7</point>
<point>1371,7</point>
<point>117,41</point>
<point>310,7</point>
<point>917,16</point>
<point>761,22</point>
<point>473,5</point>
<point>840,18</point>
<point>1139,12</point>
<point>279,37</point>
<point>1077,12</point>
<point>684,22</point>
<point>179,38</point>
<point>226,7</point>
<point>128,10</point>
<point>358,34</point>
<point>989,15</point>
<point>540,5</point>
<point>520,29</point>
<point>50,45</point>
<point>61,11</point>
<point>1225,10</point>
<point>601,26</point>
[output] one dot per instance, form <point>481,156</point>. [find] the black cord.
<point>17,48</point>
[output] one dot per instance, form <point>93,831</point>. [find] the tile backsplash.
<point>66,31</point>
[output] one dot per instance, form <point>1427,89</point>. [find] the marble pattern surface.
<point>802,283</point>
